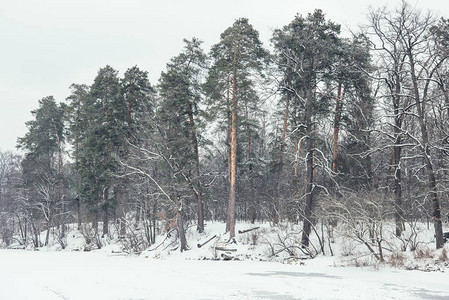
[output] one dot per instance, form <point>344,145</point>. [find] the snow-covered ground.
<point>102,275</point>
<point>259,268</point>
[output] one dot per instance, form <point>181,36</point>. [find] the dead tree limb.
<point>201,245</point>
<point>248,230</point>
<point>225,249</point>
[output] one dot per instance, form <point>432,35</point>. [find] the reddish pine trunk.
<point>231,211</point>
<point>233,166</point>
<point>228,149</point>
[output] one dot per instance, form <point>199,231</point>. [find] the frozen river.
<point>81,275</point>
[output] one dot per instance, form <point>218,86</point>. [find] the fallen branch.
<point>247,230</point>
<point>166,237</point>
<point>201,245</point>
<point>274,253</point>
<point>225,249</point>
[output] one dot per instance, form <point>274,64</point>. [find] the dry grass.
<point>424,253</point>
<point>396,260</point>
<point>443,257</point>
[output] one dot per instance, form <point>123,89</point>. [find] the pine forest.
<point>295,146</point>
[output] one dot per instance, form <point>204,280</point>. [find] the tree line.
<point>321,128</point>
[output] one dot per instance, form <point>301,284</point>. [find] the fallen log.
<point>201,245</point>
<point>226,257</point>
<point>225,249</point>
<point>247,230</point>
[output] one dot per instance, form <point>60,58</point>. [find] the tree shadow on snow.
<point>295,274</point>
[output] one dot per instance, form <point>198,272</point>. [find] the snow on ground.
<point>163,272</point>
<point>99,275</point>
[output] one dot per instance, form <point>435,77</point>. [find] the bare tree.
<point>385,38</point>
<point>410,66</point>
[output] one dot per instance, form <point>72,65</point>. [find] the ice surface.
<point>163,272</point>
<point>99,275</point>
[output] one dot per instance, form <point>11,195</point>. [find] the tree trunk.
<point>228,148</point>
<point>154,220</point>
<point>121,202</point>
<point>105,212</point>
<point>121,207</point>
<point>277,206</point>
<point>105,221</point>
<point>310,178</point>
<point>200,226</point>
<point>425,148</point>
<point>299,143</point>
<point>253,205</point>
<point>284,128</point>
<point>338,107</point>
<point>397,174</point>
<point>138,214</point>
<point>78,200</point>
<point>122,217</point>
<point>35,233</point>
<point>47,236</point>
<point>95,222</point>
<point>397,149</point>
<point>62,186</point>
<point>78,210</point>
<point>231,212</point>
<point>182,233</point>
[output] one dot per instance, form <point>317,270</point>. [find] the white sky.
<point>46,45</point>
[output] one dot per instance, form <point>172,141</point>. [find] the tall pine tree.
<point>236,58</point>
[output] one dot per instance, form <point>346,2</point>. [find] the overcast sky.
<point>46,45</point>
